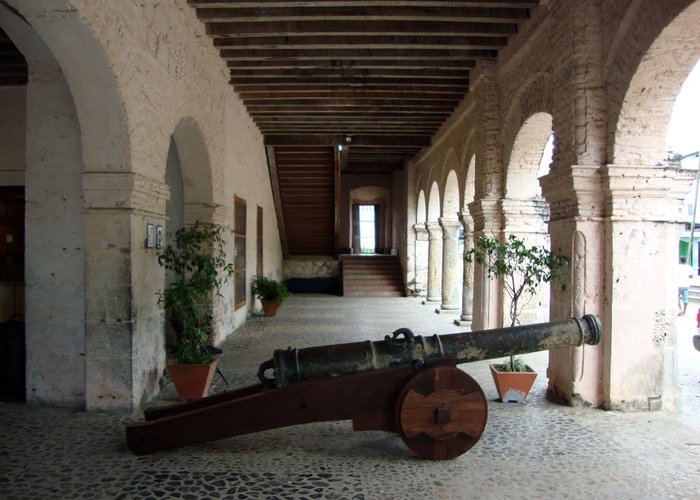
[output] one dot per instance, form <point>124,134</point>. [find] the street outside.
<point>689,366</point>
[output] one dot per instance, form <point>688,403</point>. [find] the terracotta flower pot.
<point>513,387</point>
<point>270,306</point>
<point>192,381</point>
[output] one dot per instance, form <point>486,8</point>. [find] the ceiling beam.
<point>373,12</point>
<point>475,44</point>
<point>359,26</point>
<point>335,139</point>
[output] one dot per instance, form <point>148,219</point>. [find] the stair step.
<point>372,276</point>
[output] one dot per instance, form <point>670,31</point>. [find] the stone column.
<point>434,261</point>
<point>465,318</point>
<point>486,306</point>
<point>450,268</point>
<point>642,223</point>
<point>124,342</point>
<point>421,261</point>
<point>577,231</point>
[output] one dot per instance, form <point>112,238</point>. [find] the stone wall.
<point>147,74</point>
<point>311,266</point>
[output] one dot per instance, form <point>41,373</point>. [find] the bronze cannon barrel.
<point>294,365</point>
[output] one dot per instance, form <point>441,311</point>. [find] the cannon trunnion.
<point>410,386</point>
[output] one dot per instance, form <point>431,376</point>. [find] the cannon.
<point>406,384</point>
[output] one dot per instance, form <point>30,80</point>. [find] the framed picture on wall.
<point>150,236</point>
<point>159,236</point>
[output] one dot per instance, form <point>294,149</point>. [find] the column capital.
<point>649,193</point>
<point>467,221</point>
<point>421,232</point>
<point>450,228</point>
<point>125,191</point>
<point>574,192</point>
<point>486,214</point>
<point>434,230</point>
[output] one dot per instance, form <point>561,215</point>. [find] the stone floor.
<point>531,450</point>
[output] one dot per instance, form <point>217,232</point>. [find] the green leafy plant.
<point>521,268</point>
<point>197,258</point>
<point>269,289</point>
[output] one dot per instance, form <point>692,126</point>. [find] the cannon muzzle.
<point>403,348</point>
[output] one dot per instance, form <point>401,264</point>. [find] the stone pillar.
<point>465,319</point>
<point>124,353</point>
<point>54,235</point>
<point>434,261</point>
<point>450,264</point>
<point>577,231</point>
<point>421,260</point>
<point>486,306</point>
<point>642,223</point>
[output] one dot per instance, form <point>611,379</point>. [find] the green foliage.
<point>521,268</point>
<point>197,257</point>
<point>269,289</point>
<point>512,365</point>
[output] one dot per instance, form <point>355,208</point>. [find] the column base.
<point>464,322</point>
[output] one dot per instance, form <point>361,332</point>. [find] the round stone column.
<point>465,319</point>
<point>421,260</point>
<point>434,261</point>
<point>450,257</point>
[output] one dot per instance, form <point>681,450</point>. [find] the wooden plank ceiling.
<point>378,77</point>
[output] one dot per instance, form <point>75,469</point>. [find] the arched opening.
<point>452,264</point>
<point>434,203</point>
<point>421,210</point>
<point>77,165</point>
<point>637,342</point>
<point>434,245</point>
<point>525,211</point>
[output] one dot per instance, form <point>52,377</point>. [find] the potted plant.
<point>522,269</point>
<point>197,259</point>
<point>271,294</point>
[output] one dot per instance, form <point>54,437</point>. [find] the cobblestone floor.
<point>531,450</point>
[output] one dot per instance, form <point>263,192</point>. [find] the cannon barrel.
<point>294,365</point>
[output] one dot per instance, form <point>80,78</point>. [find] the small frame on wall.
<point>159,236</point>
<point>150,236</point>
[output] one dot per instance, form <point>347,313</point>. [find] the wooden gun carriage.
<point>405,384</point>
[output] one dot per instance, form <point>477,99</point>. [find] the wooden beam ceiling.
<point>377,77</point>
<point>332,68</point>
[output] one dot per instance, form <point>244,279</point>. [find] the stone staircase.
<point>372,276</point>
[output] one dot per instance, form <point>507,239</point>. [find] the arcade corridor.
<point>534,450</point>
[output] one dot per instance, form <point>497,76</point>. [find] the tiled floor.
<point>531,450</point>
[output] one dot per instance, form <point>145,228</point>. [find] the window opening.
<point>239,289</point>
<point>368,229</point>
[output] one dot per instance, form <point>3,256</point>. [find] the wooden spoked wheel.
<point>441,413</point>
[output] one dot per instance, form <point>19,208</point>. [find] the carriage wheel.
<point>441,413</point>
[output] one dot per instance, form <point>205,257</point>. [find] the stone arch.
<point>434,203</point>
<point>533,98</point>
<point>525,156</point>
<point>643,88</point>
<point>421,210</point>
<point>76,165</point>
<point>450,197</point>
<point>469,183</point>
<point>196,170</point>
